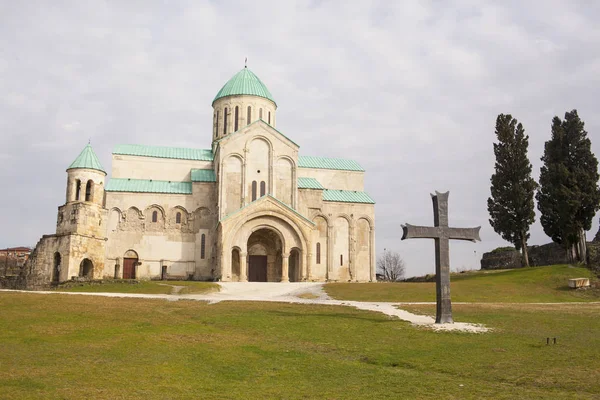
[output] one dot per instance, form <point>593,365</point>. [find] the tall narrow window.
<point>260,113</point>
<point>88,190</point>
<point>253,190</point>
<point>341,259</point>
<point>236,120</point>
<point>225,121</point>
<point>154,216</point>
<point>318,253</point>
<point>203,246</point>
<point>263,188</point>
<point>249,116</point>
<point>178,218</point>
<point>77,189</point>
<point>217,124</point>
<point>269,122</point>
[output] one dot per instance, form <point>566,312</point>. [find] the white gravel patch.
<point>288,293</point>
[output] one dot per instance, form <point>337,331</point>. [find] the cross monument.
<point>442,234</point>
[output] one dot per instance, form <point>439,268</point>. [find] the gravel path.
<point>297,292</point>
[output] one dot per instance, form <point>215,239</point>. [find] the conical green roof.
<point>87,159</point>
<point>244,83</point>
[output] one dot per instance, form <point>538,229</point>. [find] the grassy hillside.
<point>78,347</point>
<point>525,285</point>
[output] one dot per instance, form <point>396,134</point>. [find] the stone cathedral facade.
<point>250,208</point>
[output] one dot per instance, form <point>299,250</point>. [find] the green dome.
<point>87,160</point>
<point>244,83</point>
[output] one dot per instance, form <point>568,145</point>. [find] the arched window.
<point>89,190</point>
<point>225,121</point>
<point>269,122</point>
<point>77,189</point>
<point>178,218</point>
<point>236,120</point>
<point>216,124</point>
<point>263,188</point>
<point>203,246</point>
<point>253,190</point>
<point>154,216</point>
<point>260,113</point>
<point>341,259</point>
<point>318,253</point>
<point>249,116</point>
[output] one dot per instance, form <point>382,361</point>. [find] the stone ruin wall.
<point>548,254</point>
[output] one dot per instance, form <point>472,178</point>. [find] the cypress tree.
<point>569,196</point>
<point>511,204</point>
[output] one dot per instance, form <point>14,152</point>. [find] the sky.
<point>409,89</point>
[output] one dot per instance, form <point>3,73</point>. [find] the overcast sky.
<point>409,89</point>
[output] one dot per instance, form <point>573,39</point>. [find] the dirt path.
<point>298,293</point>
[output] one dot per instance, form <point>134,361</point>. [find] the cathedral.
<point>250,208</point>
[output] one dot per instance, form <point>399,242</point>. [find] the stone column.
<point>329,260</point>
<point>285,262</point>
<point>243,267</point>
<point>351,250</point>
<point>372,259</point>
<point>308,273</point>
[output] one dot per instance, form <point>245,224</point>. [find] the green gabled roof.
<point>87,159</point>
<point>244,83</point>
<point>148,186</point>
<point>328,163</point>
<point>309,183</point>
<point>180,153</point>
<point>347,196</point>
<point>203,175</point>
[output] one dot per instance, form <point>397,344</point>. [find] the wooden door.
<point>129,268</point>
<point>257,269</point>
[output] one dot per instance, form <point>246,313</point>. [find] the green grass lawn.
<point>75,347</point>
<point>525,285</point>
<point>145,287</point>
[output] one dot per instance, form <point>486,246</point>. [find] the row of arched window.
<point>263,189</point>
<point>236,119</point>
<point>155,217</point>
<point>89,190</point>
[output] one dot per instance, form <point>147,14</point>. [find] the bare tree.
<point>391,266</point>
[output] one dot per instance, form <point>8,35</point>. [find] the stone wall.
<point>501,259</point>
<point>547,254</point>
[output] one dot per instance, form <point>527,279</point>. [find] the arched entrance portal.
<point>264,256</point>
<point>86,269</point>
<point>130,261</point>
<point>56,268</point>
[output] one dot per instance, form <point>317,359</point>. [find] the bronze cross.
<point>442,234</point>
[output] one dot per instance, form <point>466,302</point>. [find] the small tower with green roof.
<point>242,100</point>
<point>83,217</point>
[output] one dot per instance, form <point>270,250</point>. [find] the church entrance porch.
<point>264,256</point>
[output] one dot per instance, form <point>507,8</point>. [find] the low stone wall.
<point>501,259</point>
<point>547,254</point>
